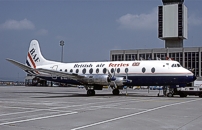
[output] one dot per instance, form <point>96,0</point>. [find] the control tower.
<point>172,23</point>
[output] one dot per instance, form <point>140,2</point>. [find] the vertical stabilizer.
<point>34,57</point>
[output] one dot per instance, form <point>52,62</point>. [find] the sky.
<point>89,29</point>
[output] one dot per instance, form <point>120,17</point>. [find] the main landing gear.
<point>91,92</point>
<point>168,91</point>
<point>115,91</point>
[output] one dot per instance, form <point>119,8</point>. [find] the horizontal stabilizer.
<point>20,65</point>
<point>46,71</point>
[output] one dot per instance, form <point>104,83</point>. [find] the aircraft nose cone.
<point>194,77</point>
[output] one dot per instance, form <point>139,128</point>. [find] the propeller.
<point>112,78</point>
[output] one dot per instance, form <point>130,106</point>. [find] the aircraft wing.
<point>60,73</point>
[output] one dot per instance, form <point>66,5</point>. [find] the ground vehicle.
<point>155,87</point>
<point>183,92</point>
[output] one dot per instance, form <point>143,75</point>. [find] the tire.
<point>115,92</point>
<point>183,95</point>
<point>90,92</point>
<point>93,92</point>
<point>169,95</point>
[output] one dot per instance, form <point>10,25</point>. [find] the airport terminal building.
<point>188,57</point>
<point>172,28</point>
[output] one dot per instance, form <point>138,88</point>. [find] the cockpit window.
<point>176,65</point>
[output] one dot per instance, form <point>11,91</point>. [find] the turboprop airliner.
<point>115,74</point>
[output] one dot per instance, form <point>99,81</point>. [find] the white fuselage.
<point>133,69</point>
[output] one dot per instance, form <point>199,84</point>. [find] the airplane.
<point>115,74</point>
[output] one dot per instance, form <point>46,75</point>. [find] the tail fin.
<point>34,57</point>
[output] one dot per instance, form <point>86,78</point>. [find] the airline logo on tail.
<point>32,58</point>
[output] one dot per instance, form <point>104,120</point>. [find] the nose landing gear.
<point>90,92</point>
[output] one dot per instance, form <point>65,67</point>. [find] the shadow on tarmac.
<point>73,94</point>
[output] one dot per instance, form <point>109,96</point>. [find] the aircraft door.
<point>167,65</point>
<point>55,67</point>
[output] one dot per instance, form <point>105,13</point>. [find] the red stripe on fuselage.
<point>30,58</point>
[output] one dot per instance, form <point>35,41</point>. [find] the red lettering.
<point>111,65</point>
<point>120,65</point>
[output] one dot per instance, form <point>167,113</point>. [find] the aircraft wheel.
<point>115,92</point>
<point>90,92</point>
<point>93,91</point>
<point>183,95</point>
<point>169,95</point>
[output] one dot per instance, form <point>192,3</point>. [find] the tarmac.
<point>67,108</point>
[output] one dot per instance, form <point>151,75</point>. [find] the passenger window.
<point>60,69</point>
<point>172,65</point>
<point>65,70</point>
<point>143,69</point>
<point>97,70</point>
<point>71,70</point>
<point>91,71</point>
<point>175,65</point>
<point>153,70</point>
<point>77,70</point>
<point>126,70</point>
<point>112,70</point>
<point>84,71</point>
<point>118,70</point>
<point>104,70</point>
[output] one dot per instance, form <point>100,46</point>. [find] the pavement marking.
<point>134,114</point>
<point>37,118</point>
<point>121,108</point>
<point>17,107</point>
<point>31,101</point>
<point>38,110</point>
<point>89,104</point>
<point>26,116</point>
<point>109,105</point>
<point>114,103</point>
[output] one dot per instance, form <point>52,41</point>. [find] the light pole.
<point>62,43</point>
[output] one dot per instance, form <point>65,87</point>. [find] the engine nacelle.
<point>95,79</point>
<point>118,80</point>
<point>102,80</point>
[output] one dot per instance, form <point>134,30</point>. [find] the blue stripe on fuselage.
<point>139,80</point>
